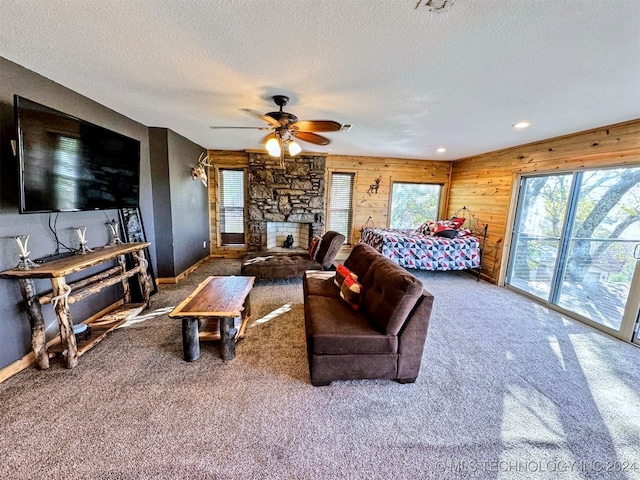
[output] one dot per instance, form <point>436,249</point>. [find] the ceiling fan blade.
<point>311,137</point>
<point>316,126</point>
<point>247,128</point>
<point>265,118</point>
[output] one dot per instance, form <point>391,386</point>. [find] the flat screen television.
<point>67,164</point>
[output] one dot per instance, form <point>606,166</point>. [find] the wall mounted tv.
<point>67,164</point>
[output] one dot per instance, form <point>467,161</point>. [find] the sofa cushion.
<point>338,330</point>
<point>320,282</point>
<point>390,293</point>
<point>277,266</point>
<point>360,259</point>
<point>326,368</point>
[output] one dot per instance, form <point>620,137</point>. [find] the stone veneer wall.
<point>294,193</point>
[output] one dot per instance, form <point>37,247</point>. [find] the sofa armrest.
<point>412,338</point>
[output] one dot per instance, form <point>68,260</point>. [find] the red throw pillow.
<point>351,292</point>
<point>457,222</point>
<point>341,273</point>
<point>314,246</point>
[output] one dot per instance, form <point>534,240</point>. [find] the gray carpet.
<point>507,389</point>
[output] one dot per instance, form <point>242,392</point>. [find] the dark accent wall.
<point>180,204</point>
<point>15,336</point>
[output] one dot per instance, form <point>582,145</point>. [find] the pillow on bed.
<point>457,222</point>
<point>463,232</point>
<point>425,228</point>
<point>434,227</point>
<point>446,232</point>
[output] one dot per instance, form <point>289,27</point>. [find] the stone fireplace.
<point>289,199</point>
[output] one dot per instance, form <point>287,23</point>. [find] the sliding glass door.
<point>575,245</point>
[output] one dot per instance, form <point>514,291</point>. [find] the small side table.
<point>216,298</point>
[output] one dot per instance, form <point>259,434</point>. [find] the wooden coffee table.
<point>214,304</point>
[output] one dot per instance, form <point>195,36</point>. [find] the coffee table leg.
<point>190,340</point>
<point>227,338</point>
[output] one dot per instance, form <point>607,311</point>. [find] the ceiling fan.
<point>285,127</point>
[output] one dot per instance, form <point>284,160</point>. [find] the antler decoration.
<point>25,262</point>
<point>200,172</point>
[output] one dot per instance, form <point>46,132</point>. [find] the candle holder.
<point>81,231</point>
<point>25,263</point>
<point>115,235</point>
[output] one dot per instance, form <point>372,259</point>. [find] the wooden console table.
<point>64,294</point>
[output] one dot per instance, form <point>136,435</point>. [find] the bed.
<point>426,248</point>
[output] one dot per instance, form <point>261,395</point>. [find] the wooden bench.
<point>215,304</point>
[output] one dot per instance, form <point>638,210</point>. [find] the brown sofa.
<point>383,339</point>
<point>287,265</point>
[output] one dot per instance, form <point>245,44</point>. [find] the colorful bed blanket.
<point>424,252</point>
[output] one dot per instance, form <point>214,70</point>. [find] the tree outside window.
<point>412,204</point>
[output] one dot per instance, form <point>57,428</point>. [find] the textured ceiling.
<point>409,80</point>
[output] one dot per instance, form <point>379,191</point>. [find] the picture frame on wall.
<point>133,231</point>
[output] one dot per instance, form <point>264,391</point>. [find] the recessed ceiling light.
<point>441,150</point>
<point>521,125</point>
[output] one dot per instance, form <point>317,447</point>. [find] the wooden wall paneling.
<point>485,183</point>
<point>368,169</point>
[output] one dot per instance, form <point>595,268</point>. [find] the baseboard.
<point>26,361</point>
<point>175,280</point>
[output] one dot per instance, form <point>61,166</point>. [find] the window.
<point>412,204</point>
<point>340,203</point>
<point>232,195</point>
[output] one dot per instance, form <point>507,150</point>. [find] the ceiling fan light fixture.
<point>273,147</point>
<point>294,148</point>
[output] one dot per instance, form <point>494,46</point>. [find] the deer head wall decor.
<point>200,172</point>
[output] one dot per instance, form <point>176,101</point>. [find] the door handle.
<point>636,252</point>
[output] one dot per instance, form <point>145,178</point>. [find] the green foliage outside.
<point>412,204</point>
<point>608,208</point>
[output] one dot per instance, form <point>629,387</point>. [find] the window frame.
<point>219,208</point>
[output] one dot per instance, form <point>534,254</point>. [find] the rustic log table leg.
<point>247,306</point>
<point>61,307</point>
<point>38,339</point>
<point>143,277</point>
<point>126,291</point>
<point>190,340</point>
<point>227,338</point>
